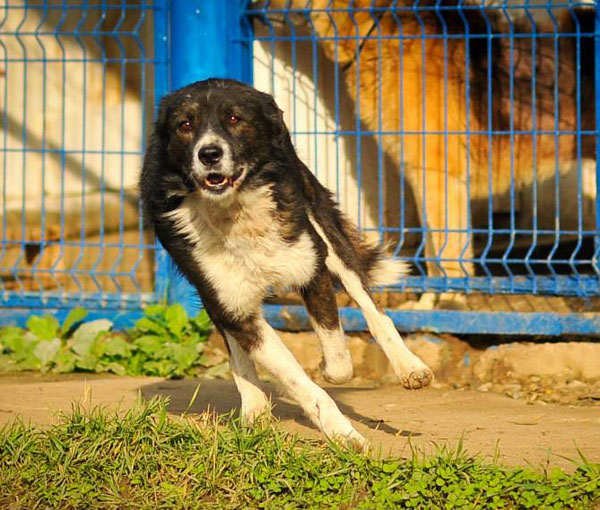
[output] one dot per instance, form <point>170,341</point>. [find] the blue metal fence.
<point>81,77</point>
<point>75,91</point>
<point>485,110</point>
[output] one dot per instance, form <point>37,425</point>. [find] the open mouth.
<point>216,182</point>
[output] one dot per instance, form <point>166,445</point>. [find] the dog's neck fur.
<point>240,247</point>
<point>248,214</point>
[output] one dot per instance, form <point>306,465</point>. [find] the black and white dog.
<point>240,213</point>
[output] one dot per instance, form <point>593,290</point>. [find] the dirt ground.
<point>523,431</point>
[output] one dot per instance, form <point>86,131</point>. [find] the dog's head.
<point>216,135</point>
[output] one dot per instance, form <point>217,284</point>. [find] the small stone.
<point>575,383</point>
<point>485,387</point>
<point>512,387</point>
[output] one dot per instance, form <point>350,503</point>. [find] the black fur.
<point>261,144</point>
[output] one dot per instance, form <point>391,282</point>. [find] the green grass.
<point>147,459</point>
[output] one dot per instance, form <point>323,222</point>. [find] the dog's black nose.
<point>210,154</point>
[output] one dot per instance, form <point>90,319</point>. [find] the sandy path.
<point>524,433</point>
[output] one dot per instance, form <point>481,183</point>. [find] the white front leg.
<point>274,356</point>
<point>254,400</point>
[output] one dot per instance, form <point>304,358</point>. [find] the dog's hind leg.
<point>254,400</point>
<point>409,368</point>
<point>263,345</point>
<point>413,373</point>
<point>319,298</point>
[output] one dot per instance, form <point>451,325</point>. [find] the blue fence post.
<point>206,38</point>
<point>161,87</point>
<point>209,38</point>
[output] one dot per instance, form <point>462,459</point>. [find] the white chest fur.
<point>240,250</point>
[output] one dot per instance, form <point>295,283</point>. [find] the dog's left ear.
<point>280,135</point>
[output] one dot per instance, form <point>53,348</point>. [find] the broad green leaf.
<point>11,339</point>
<point>83,345</point>
<point>135,364</point>
<point>176,318</point>
<point>155,310</point>
<point>218,370</point>
<point>23,348</point>
<point>149,344</point>
<point>85,336</point>
<point>113,367</point>
<point>46,351</point>
<point>75,315</point>
<point>45,328</point>
<point>87,362</point>
<point>147,325</point>
<point>7,364</point>
<point>64,362</point>
<point>163,368</point>
<point>184,355</point>
<point>202,322</point>
<point>117,346</point>
<point>29,362</point>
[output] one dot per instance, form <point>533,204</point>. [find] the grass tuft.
<point>147,459</point>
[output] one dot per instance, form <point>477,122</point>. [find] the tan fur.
<point>408,85</point>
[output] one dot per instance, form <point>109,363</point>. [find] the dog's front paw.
<point>349,438</point>
<point>353,441</point>
<point>339,372</point>
<point>255,407</point>
<point>335,425</point>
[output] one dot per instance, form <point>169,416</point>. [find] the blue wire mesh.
<point>484,171</point>
<point>73,102</point>
<point>78,81</point>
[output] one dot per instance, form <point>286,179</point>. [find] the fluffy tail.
<point>387,270</point>
<point>379,268</point>
<point>369,259</point>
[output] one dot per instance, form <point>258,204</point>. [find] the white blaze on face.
<point>224,166</point>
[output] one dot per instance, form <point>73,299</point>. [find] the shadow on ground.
<point>221,397</point>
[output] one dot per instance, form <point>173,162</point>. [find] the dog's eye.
<point>233,119</point>
<point>185,126</point>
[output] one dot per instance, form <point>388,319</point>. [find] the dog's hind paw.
<point>418,378</point>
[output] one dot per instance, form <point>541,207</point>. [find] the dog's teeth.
<point>208,182</point>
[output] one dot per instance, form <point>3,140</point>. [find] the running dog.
<point>240,214</point>
<point>469,115</point>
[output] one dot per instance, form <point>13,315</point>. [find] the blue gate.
<point>520,240</point>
